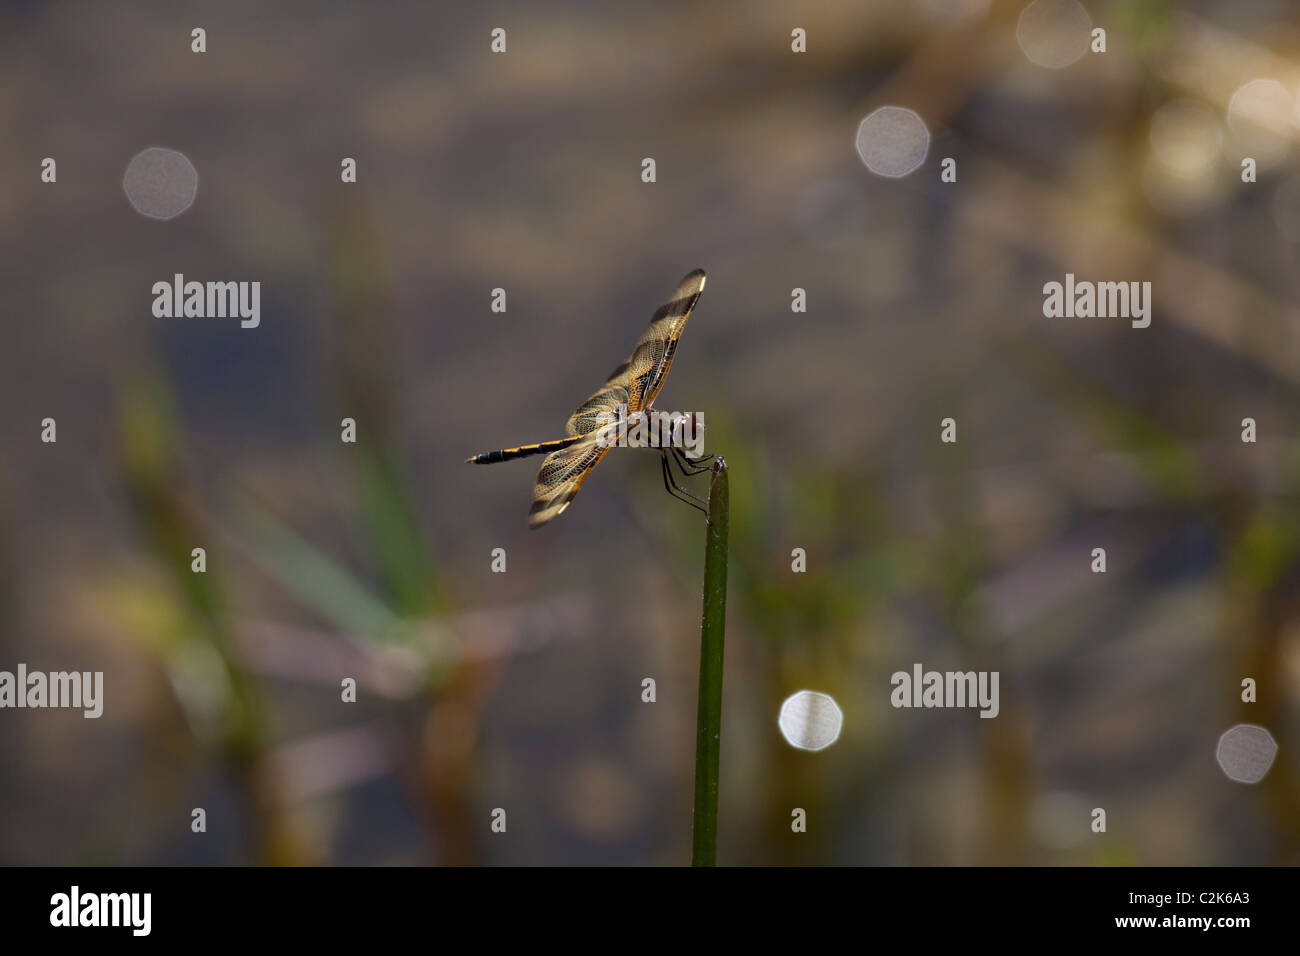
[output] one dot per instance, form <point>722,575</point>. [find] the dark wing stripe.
<point>561,477</point>
<point>681,306</point>
<point>635,383</point>
<point>607,398</point>
<point>653,355</point>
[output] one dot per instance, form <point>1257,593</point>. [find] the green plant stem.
<point>704,845</point>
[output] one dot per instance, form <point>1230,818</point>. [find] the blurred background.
<point>522,691</point>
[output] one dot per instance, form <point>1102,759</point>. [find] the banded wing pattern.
<point>650,361</point>
<point>561,476</point>
<point>634,383</point>
<point>586,417</point>
<point>637,380</point>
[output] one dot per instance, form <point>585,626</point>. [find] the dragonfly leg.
<point>692,466</point>
<point>680,494</point>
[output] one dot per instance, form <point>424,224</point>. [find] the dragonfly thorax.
<point>651,428</point>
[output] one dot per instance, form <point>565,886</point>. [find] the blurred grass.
<point>152,470</point>
<point>363,362</point>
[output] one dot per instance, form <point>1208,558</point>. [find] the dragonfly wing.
<point>635,383</point>
<point>653,356</point>
<point>607,398</point>
<point>561,476</point>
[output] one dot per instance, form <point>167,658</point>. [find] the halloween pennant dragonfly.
<point>632,386</point>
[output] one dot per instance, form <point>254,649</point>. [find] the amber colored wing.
<point>653,356</point>
<point>607,398</point>
<point>637,381</point>
<point>561,476</point>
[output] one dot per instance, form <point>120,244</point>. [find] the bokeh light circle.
<point>1260,115</point>
<point>1054,33</point>
<point>1246,752</point>
<point>893,141</point>
<point>1187,138</point>
<point>160,183</point>
<point>810,720</point>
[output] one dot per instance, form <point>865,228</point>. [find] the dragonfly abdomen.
<point>523,451</point>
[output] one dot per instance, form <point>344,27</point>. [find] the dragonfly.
<point>627,394</point>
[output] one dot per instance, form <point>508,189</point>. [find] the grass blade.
<point>704,846</point>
